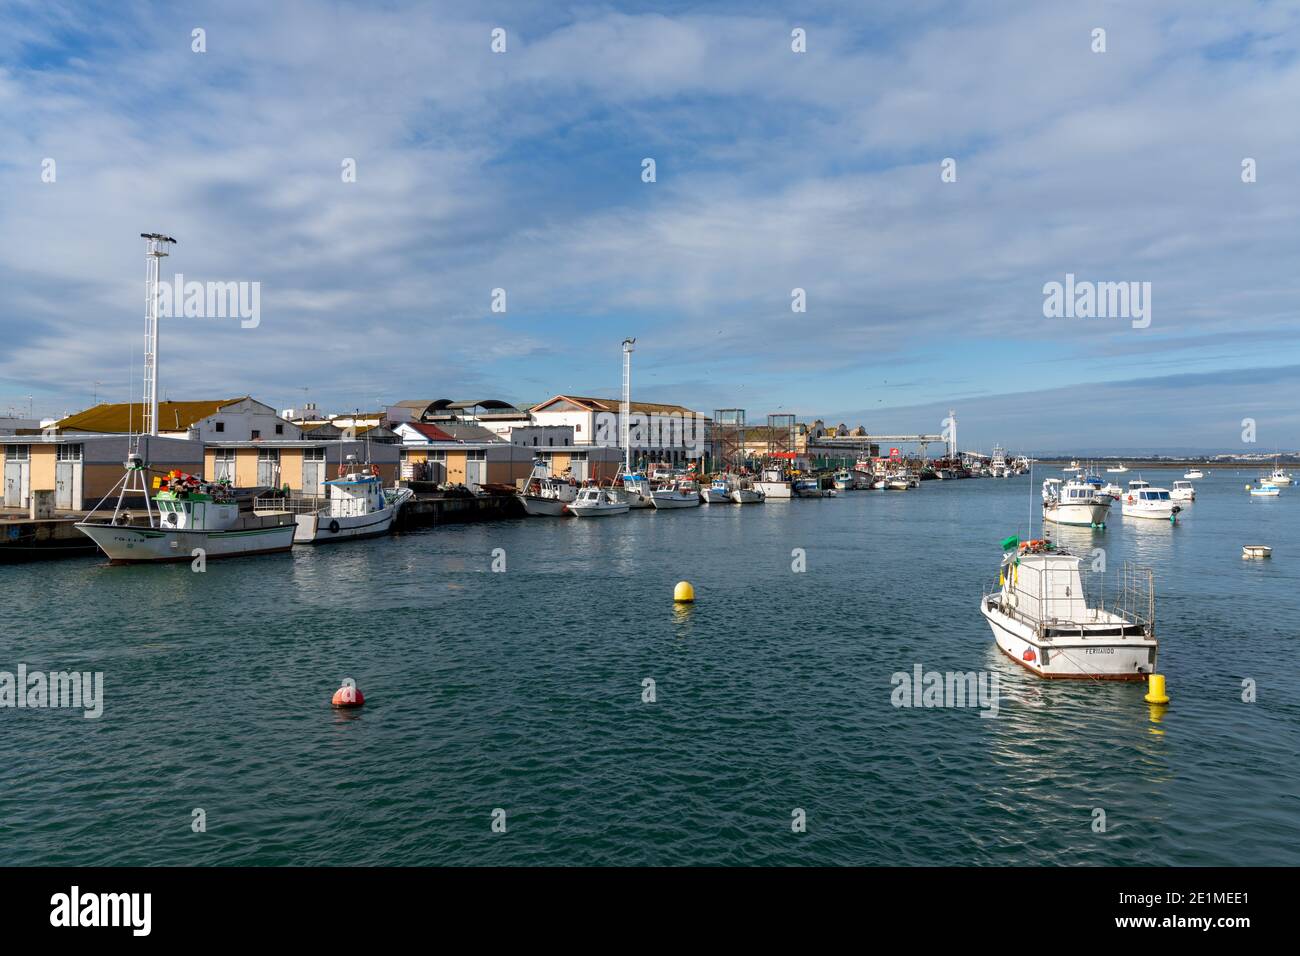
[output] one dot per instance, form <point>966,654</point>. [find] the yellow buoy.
<point>1156,690</point>
<point>684,593</point>
<point>1248,487</point>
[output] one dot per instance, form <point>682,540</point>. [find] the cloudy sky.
<point>775,170</point>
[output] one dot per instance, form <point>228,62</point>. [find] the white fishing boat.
<point>634,490</point>
<point>1075,502</point>
<point>775,484</point>
<point>1112,490</point>
<point>681,493</point>
<point>1041,618</point>
<point>186,517</point>
<point>544,495</point>
<point>1183,491</point>
<point>843,480</point>
<point>1118,470</point>
<point>1194,475</point>
<point>356,506</point>
<point>1148,502</point>
<point>998,463</point>
<point>1073,469</point>
<point>596,502</point>
<point>1278,476</point>
<point>897,483</point>
<point>717,492</point>
<point>1264,491</point>
<point>745,492</point>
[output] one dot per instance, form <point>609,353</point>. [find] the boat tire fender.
<point>334,526</point>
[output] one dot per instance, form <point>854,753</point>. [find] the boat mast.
<point>625,408</point>
<point>155,250</point>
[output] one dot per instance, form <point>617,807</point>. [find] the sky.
<point>775,170</point>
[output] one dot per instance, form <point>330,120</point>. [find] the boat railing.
<point>301,505</point>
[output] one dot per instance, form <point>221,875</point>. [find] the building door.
<point>18,472</point>
<point>223,465</point>
<point>268,467</point>
<point>475,469</point>
<point>67,477</point>
<point>579,466</point>
<point>313,472</point>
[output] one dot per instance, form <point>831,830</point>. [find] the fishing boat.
<point>356,506</point>
<point>680,493</point>
<point>745,492</point>
<point>633,489</point>
<point>1041,618</point>
<point>998,463</point>
<point>1148,502</point>
<point>1114,491</point>
<point>774,483</point>
<point>1264,491</point>
<point>1278,476</point>
<point>1194,475</point>
<point>544,495</point>
<point>596,502</point>
<point>1183,491</point>
<point>718,492</point>
<point>185,517</point>
<point>1118,470</point>
<point>843,480</point>
<point>897,483</point>
<point>1074,467</point>
<point>1078,503</point>
<point>808,487</point>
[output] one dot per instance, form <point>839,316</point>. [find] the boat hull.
<point>124,544</point>
<point>671,502</point>
<point>1091,658</point>
<point>774,489</point>
<point>712,496</point>
<point>1163,513</point>
<point>1077,515</point>
<point>322,529</point>
<point>542,507</point>
<point>746,496</point>
<point>600,511</point>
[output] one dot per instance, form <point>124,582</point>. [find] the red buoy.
<point>1028,654</point>
<point>348,695</point>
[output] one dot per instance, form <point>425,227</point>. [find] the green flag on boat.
<point>1009,543</point>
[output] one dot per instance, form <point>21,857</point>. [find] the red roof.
<point>431,432</point>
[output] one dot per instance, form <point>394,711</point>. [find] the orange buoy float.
<point>348,696</point>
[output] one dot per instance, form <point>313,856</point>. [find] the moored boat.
<point>596,502</point>
<point>717,492</point>
<point>356,506</point>
<point>1079,503</point>
<point>544,495</point>
<point>1183,491</point>
<point>186,517</point>
<point>1148,502</point>
<point>681,493</point>
<point>1041,619</point>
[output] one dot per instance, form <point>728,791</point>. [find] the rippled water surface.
<point>522,690</point>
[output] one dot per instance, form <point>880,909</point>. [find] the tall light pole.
<point>156,248</point>
<point>625,409</point>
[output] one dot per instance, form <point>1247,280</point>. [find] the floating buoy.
<point>348,696</point>
<point>1156,690</point>
<point>1028,655</point>
<point>684,593</point>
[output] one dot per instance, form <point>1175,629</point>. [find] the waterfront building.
<point>658,432</point>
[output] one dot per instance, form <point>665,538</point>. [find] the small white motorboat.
<point>1118,470</point>
<point>718,492</point>
<point>1265,490</point>
<point>596,502</point>
<point>1183,491</point>
<point>1256,551</point>
<point>1148,502</point>
<point>1077,503</point>
<point>1041,619</point>
<point>682,493</point>
<point>1194,475</point>
<point>1074,468</point>
<point>1278,476</point>
<point>356,506</point>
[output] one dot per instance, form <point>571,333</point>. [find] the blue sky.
<point>775,170</point>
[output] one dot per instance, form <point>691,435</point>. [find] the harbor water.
<point>525,690</point>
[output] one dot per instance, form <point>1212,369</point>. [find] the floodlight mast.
<point>156,248</point>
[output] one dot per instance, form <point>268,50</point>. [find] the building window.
<point>256,435</point>
<point>313,454</point>
<point>18,452</point>
<point>219,426</point>
<point>68,453</point>
<point>268,454</point>
<point>476,454</point>
<point>279,429</point>
<point>578,427</point>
